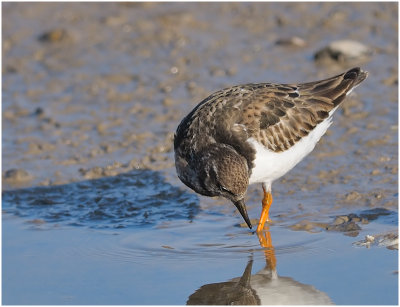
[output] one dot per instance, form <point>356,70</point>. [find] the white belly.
<point>270,165</point>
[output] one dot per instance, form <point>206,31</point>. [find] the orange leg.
<point>266,204</point>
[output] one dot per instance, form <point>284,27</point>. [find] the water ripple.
<point>137,198</point>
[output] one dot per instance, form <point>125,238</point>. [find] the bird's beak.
<point>243,211</point>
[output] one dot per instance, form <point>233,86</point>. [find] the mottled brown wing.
<point>278,116</point>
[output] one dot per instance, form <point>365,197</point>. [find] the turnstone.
<point>255,133</point>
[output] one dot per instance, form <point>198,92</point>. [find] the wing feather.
<point>279,115</point>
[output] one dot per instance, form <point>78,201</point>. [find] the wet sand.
<point>93,91</point>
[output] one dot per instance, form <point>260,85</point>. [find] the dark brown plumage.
<point>213,155</point>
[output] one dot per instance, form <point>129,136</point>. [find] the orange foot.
<point>266,204</point>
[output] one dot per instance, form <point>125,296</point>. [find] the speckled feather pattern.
<point>276,115</point>
<point>223,126</point>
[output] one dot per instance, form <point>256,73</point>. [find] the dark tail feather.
<point>357,75</point>
<point>335,88</point>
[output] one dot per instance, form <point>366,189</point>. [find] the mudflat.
<point>92,95</point>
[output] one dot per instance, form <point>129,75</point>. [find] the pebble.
<point>348,224</point>
<point>53,36</point>
<point>344,51</point>
<point>92,173</point>
<point>291,41</point>
<point>344,227</point>
<point>389,240</point>
<point>38,111</point>
<point>375,172</point>
<point>384,159</point>
<point>369,238</point>
<point>174,70</point>
<point>352,196</point>
<point>16,176</point>
<point>341,220</point>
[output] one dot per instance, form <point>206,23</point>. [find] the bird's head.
<point>225,173</point>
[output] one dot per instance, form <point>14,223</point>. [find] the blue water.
<point>54,263</point>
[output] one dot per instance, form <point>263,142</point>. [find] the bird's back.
<point>276,115</point>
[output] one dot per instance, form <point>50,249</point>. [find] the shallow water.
<point>87,245</point>
<point>97,215</point>
<point>165,264</point>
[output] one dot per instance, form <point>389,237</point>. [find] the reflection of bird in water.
<point>263,288</point>
<point>273,289</point>
<point>255,133</point>
<point>227,293</point>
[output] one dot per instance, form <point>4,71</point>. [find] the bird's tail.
<point>357,75</point>
<point>335,88</point>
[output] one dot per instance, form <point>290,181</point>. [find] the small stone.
<point>375,172</point>
<point>343,51</point>
<point>351,226</point>
<point>38,111</point>
<point>369,238</point>
<point>134,164</point>
<point>352,196</point>
<point>352,216</point>
<point>95,172</point>
<point>174,70</point>
<point>17,176</point>
<point>384,159</point>
<point>52,36</point>
<point>291,41</point>
<point>340,220</point>
<point>102,128</point>
<point>165,88</point>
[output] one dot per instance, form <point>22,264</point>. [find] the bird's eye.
<point>222,188</point>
